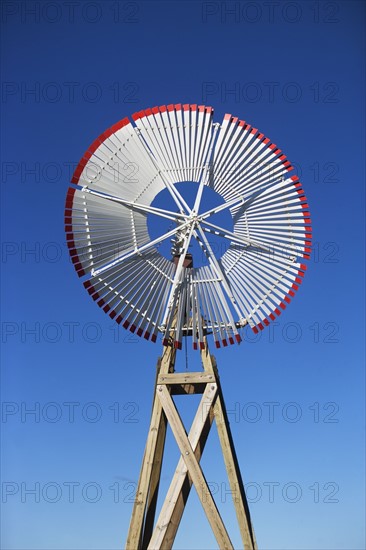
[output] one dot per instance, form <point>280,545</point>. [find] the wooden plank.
<point>165,364</point>
<point>138,513</point>
<point>135,532</point>
<point>208,361</point>
<point>186,378</point>
<point>234,475</point>
<point>167,361</point>
<point>187,389</point>
<point>194,469</point>
<point>154,483</point>
<point>172,509</point>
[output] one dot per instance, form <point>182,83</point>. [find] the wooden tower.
<point>144,533</point>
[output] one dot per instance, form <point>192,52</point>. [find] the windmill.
<point>107,212</point>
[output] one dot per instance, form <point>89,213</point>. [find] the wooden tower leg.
<point>143,514</point>
<point>142,533</point>
<point>231,461</point>
<point>154,482</point>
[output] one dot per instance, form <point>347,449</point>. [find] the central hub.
<point>158,226</point>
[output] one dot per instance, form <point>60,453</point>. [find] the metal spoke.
<point>139,207</point>
<point>177,277</point>
<point>140,249</point>
<point>197,201</point>
<point>216,209</point>
<point>231,204</point>
<point>177,197</point>
<point>216,230</point>
<point>213,260</point>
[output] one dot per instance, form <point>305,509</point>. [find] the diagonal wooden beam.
<point>173,526</point>
<point>194,469</point>
<point>177,495</point>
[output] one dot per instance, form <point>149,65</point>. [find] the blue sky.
<point>296,391</point>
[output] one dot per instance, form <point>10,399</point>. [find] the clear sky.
<point>296,391</point>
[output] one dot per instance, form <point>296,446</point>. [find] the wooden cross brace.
<point>142,533</point>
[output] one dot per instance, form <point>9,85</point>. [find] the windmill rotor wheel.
<point>106,219</point>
